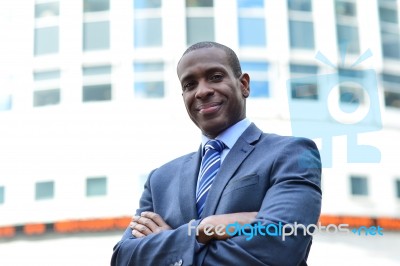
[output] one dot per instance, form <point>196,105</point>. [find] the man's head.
<point>214,89</point>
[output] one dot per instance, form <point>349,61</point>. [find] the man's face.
<point>214,98</point>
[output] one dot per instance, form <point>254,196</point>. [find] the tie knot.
<point>215,145</point>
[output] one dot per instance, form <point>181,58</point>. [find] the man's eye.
<point>216,77</point>
<point>188,85</point>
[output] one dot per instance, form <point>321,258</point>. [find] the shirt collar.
<point>230,135</point>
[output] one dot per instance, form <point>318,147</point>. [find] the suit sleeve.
<point>294,196</point>
<point>170,247</point>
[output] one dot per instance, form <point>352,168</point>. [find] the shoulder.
<point>175,164</point>
<point>286,141</point>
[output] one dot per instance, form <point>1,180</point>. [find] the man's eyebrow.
<point>186,77</point>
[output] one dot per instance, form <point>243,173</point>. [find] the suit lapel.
<point>187,186</point>
<point>239,152</point>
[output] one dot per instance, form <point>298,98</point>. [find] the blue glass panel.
<point>148,67</point>
<point>149,89</point>
<point>254,66</point>
<point>252,32</point>
<point>250,3</point>
<point>46,75</point>
<point>148,32</point>
<point>259,89</point>
<point>301,34</point>
<point>46,40</point>
<point>5,102</point>
<point>138,4</point>
<point>306,69</point>
<point>300,5</point>
<point>96,35</point>
<point>97,70</point>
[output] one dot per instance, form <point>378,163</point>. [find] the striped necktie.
<point>208,170</point>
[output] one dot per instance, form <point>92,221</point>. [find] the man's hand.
<point>223,219</point>
<point>147,223</point>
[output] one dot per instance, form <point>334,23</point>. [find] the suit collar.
<point>187,187</point>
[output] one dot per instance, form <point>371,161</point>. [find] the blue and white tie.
<point>208,170</point>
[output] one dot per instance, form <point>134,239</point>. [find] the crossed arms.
<point>294,195</point>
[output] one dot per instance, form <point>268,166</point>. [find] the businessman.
<point>239,175</point>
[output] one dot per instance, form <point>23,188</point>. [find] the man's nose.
<point>204,90</point>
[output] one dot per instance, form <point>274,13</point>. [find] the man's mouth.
<point>209,108</point>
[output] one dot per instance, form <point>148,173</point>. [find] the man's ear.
<point>245,84</point>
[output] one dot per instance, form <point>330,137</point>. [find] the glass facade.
<point>44,190</point>
<point>96,35</point>
<point>301,86</point>
<point>149,79</point>
<point>96,186</point>
<point>2,192</point>
<point>258,71</point>
<point>359,186</point>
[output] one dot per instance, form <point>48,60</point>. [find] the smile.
<point>209,108</point>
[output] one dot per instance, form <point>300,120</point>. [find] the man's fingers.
<point>155,218</point>
<point>148,223</point>
<point>142,229</point>
<point>137,234</point>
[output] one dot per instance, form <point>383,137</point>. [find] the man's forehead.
<point>210,56</point>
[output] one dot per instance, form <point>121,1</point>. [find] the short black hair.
<point>232,57</point>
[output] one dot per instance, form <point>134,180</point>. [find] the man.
<point>250,177</point>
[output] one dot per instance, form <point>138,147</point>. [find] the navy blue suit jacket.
<point>279,177</point>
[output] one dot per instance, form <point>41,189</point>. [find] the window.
<point>96,5</point>
<point>46,35</point>
<point>391,86</point>
<point>96,70</point>
<point>96,35</point>
<point>301,27</point>
<point>387,14</point>
<point>44,190</point>
<point>390,35</point>
<point>347,26</point>
<point>138,4</point>
<point>350,91</point>
<point>147,24</point>
<point>299,5</point>
<point>148,32</point>
<point>252,30</point>
<point>46,75</point>
<point>199,21</point>
<point>250,3</point>
<point>303,87</point>
<point>5,102</point>
<point>96,186</point>
<point>301,34</point>
<point>46,40</point>
<point>199,3</point>
<point>397,188</point>
<point>94,93</point>
<point>359,186</point>
<point>258,71</point>
<point>47,10</point>
<point>149,80</point>
<point>46,90</point>
<point>96,83</point>
<point>345,8</point>
<point>2,191</point>
<point>96,25</point>
<point>46,97</point>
